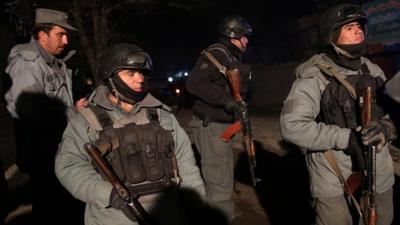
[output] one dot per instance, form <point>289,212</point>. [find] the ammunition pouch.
<point>142,156</point>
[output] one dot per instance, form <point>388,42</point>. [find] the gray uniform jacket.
<point>75,171</point>
<point>299,126</point>
<point>32,69</point>
<point>393,87</point>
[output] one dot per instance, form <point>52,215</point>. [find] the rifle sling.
<point>220,67</point>
<point>332,161</point>
<point>329,70</point>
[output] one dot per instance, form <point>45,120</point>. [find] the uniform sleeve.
<point>393,87</point>
<point>26,76</point>
<point>298,119</point>
<point>203,83</point>
<point>188,169</point>
<point>375,70</point>
<point>74,169</point>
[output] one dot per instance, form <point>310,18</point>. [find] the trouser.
<point>335,210</point>
<point>216,164</point>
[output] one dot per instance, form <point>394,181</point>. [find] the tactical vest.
<point>143,158</point>
<point>339,107</point>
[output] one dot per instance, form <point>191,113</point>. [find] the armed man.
<point>321,116</point>
<point>148,150</point>
<point>214,109</point>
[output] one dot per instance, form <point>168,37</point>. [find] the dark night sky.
<point>174,36</point>
<point>179,35</point>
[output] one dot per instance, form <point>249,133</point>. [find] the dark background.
<point>173,32</point>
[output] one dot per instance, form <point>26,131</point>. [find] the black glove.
<point>234,108</point>
<point>231,106</point>
<point>118,203</point>
<point>354,144</point>
<point>378,133</point>
<point>355,150</point>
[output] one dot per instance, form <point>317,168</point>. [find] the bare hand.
<point>81,103</point>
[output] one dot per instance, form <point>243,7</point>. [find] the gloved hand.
<point>234,108</point>
<point>354,145</point>
<point>118,203</point>
<point>378,133</point>
<point>231,106</point>
<point>355,150</point>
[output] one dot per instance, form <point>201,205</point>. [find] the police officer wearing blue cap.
<point>39,67</point>
<point>40,100</point>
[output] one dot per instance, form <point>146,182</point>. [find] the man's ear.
<point>42,35</point>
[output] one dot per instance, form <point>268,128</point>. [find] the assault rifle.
<point>133,204</point>
<point>243,124</point>
<point>369,204</point>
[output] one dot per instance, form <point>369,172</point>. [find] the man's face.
<point>241,43</point>
<point>133,78</point>
<point>55,41</point>
<point>351,33</point>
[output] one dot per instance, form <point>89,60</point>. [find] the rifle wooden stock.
<point>233,77</point>
<point>234,81</point>
<point>371,216</point>
<point>353,182</point>
<point>135,207</point>
<point>366,106</point>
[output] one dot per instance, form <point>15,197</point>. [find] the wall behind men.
<point>271,84</point>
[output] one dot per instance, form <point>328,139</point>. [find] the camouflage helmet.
<point>234,27</point>
<point>337,16</point>
<point>122,56</point>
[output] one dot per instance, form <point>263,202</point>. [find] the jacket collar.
<point>100,97</point>
<point>49,58</point>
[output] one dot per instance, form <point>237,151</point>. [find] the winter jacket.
<point>210,86</point>
<point>32,69</point>
<point>299,125</point>
<point>75,170</point>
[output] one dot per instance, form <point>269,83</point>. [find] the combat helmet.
<point>122,56</point>
<point>337,16</point>
<point>234,27</point>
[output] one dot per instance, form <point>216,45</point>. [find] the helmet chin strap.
<point>118,95</point>
<point>341,51</point>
